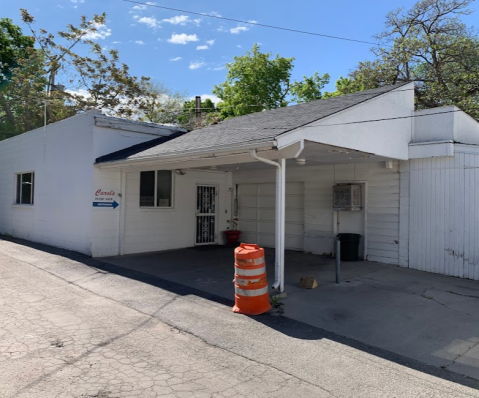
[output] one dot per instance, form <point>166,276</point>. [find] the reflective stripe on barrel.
<point>251,293</point>
<point>250,271</point>
<point>250,282</point>
<point>249,262</point>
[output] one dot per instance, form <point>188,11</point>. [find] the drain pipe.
<point>279,235</point>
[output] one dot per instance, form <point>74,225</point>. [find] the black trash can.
<point>349,246</point>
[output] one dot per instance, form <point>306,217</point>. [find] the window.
<point>156,188</point>
<point>25,188</point>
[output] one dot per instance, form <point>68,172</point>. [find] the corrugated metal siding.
<point>444,215</point>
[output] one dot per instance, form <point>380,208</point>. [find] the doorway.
<point>206,196</point>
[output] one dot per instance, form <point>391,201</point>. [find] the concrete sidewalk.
<point>430,318</point>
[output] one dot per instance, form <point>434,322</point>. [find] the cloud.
<point>181,20</point>
<point>206,46</point>
<point>182,38</point>
<point>151,22</point>
<point>116,42</point>
<point>102,32</point>
<point>218,68</point>
<point>239,46</point>
<point>77,1</point>
<point>177,20</point>
<point>213,13</point>
<point>140,7</point>
<point>176,59</point>
<point>196,65</point>
<point>139,42</point>
<point>238,30</point>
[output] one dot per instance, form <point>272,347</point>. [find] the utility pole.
<point>198,110</point>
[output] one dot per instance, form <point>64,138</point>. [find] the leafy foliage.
<point>210,114</point>
<point>255,82</point>
<point>431,46</point>
<point>54,79</point>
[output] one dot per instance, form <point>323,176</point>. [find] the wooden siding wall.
<point>444,215</point>
<point>150,229</point>
<point>382,204</point>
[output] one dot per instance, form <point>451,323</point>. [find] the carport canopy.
<point>368,126</point>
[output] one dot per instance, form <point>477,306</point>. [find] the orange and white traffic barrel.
<point>251,286</point>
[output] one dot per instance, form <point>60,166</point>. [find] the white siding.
<point>147,230</point>
<point>60,158</point>
<point>257,203</point>
<point>382,202</point>
<point>444,215</point>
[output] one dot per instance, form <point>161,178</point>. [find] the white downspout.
<point>279,219</point>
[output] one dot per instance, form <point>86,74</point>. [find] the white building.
<point>104,186</point>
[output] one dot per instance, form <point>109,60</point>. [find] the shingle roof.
<point>257,127</point>
<point>138,148</point>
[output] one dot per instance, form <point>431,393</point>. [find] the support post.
<point>198,111</point>
<point>282,231</point>
<point>277,235</point>
<point>279,217</point>
<point>337,257</point>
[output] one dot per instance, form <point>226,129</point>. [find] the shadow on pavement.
<point>287,326</point>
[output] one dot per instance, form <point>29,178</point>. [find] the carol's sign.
<point>105,198</point>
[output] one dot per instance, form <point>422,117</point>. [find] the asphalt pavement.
<point>72,326</point>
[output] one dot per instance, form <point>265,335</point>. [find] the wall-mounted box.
<point>347,197</point>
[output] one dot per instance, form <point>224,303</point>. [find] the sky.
<point>188,53</point>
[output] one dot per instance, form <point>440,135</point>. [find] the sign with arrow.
<point>105,198</point>
<point>113,204</point>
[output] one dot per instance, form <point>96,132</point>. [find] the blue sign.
<point>113,204</point>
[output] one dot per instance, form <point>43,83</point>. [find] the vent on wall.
<point>347,197</point>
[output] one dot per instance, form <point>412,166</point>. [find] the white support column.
<point>277,234</point>
<point>279,218</point>
<point>282,216</point>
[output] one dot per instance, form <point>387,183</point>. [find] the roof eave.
<point>193,155</point>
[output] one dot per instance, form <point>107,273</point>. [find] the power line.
<point>255,23</point>
<point>385,119</point>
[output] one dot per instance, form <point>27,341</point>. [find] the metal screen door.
<point>205,214</point>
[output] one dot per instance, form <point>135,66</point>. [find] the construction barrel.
<point>251,286</point>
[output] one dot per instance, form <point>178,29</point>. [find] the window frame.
<point>17,201</point>
<point>155,197</point>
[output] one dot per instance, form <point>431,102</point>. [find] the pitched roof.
<point>138,148</point>
<point>256,127</point>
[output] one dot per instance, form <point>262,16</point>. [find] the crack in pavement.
<point>423,294</point>
<point>157,317</point>
<point>460,355</point>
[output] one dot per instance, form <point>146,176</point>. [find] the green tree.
<point>257,82</point>
<point>159,104</point>
<point>209,114</point>
<point>56,77</point>
<point>14,45</point>
<point>430,45</point>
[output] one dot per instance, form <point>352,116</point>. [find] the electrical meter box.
<point>347,197</point>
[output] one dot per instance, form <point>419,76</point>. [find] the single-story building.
<point>407,181</point>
